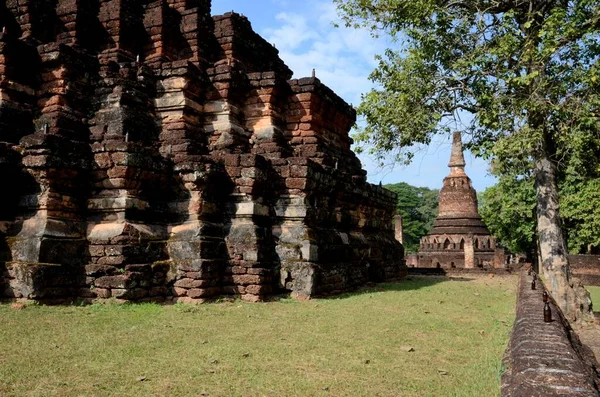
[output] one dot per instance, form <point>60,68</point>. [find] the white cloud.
<point>281,3</point>
<point>343,59</point>
<point>292,33</point>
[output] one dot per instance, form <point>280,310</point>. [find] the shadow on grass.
<point>410,283</point>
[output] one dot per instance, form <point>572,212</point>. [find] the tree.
<point>508,207</point>
<point>508,210</point>
<point>418,207</point>
<point>579,184</point>
<point>580,207</point>
<point>522,74</point>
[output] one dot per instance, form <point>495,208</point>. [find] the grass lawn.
<point>354,345</point>
<point>595,295</point>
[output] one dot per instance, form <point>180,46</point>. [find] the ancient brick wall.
<point>449,251</point>
<point>155,152</point>
<point>586,268</point>
<point>412,260</point>
<point>545,359</point>
<point>458,272</point>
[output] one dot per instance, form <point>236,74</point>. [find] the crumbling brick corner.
<point>153,152</point>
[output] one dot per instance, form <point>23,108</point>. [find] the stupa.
<point>459,237</point>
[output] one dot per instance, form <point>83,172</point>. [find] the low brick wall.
<point>586,268</point>
<point>432,271</point>
<point>545,359</point>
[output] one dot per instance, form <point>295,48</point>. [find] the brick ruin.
<point>459,238</point>
<point>150,151</point>
<point>586,268</point>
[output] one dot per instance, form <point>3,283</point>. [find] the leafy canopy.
<point>579,185</point>
<point>513,71</point>
<point>418,207</point>
<point>508,208</point>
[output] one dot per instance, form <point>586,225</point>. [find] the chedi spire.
<point>457,158</point>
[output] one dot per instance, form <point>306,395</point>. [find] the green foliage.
<point>581,216</point>
<point>521,78</point>
<point>418,207</point>
<point>580,192</point>
<point>508,209</point>
<point>526,71</point>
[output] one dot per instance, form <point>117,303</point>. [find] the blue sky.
<point>304,34</point>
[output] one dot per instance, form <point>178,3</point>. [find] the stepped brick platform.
<point>150,151</point>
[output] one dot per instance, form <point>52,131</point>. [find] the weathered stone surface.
<point>545,359</point>
<point>156,152</point>
<point>586,268</point>
<point>110,282</point>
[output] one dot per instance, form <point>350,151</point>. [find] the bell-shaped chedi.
<point>458,200</point>
<point>459,238</point>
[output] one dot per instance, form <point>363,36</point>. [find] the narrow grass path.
<point>354,345</point>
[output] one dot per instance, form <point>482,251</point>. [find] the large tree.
<point>522,75</point>
<point>508,207</point>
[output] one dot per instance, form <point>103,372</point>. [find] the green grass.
<point>595,295</point>
<point>346,346</point>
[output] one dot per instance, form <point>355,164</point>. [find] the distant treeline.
<point>508,209</point>
<point>418,207</point>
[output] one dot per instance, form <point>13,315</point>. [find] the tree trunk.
<point>567,291</point>
<point>533,254</point>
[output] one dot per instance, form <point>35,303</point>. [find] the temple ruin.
<point>459,238</point>
<point>150,151</point>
